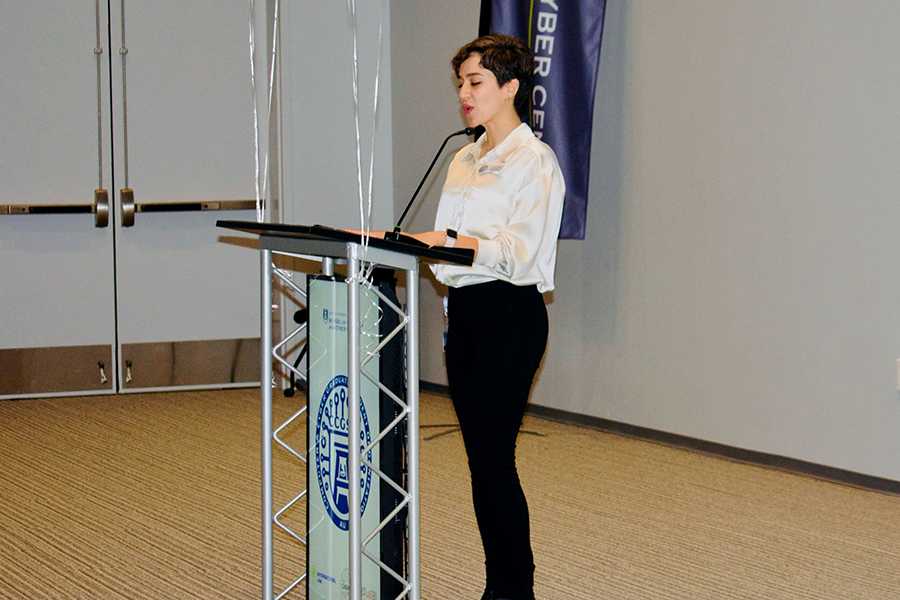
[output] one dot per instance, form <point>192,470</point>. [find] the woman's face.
<point>482,98</point>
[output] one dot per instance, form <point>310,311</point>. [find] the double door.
<point>126,131</point>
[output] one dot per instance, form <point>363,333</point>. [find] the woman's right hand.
<point>375,234</point>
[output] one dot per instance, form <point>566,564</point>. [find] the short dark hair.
<point>508,58</point>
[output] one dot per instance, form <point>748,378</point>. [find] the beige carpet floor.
<point>156,496</point>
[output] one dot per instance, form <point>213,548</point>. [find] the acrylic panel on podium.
<point>329,478</point>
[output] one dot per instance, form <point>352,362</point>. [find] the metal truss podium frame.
<point>329,246</point>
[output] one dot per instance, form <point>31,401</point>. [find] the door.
<point>57,293</point>
<point>155,99</point>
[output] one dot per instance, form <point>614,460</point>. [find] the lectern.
<point>329,247</point>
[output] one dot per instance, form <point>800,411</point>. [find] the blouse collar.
<point>504,149</point>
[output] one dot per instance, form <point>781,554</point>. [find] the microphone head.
<point>466,131</point>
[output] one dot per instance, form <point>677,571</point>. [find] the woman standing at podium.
<point>502,198</point>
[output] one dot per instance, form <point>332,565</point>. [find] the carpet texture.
<point>157,496</point>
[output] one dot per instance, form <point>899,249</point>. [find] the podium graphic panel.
<point>329,479</point>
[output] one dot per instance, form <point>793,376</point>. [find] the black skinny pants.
<point>496,338</point>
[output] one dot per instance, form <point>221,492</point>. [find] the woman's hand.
<point>375,234</point>
<point>439,238</point>
<point>429,238</point>
<point>432,238</point>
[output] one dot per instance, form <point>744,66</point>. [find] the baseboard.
<point>835,475</point>
<point>434,388</point>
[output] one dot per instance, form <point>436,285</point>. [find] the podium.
<point>330,247</point>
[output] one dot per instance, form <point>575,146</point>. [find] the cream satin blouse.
<point>511,200</point>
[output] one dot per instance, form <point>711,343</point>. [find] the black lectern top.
<point>458,256</point>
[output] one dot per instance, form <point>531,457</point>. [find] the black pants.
<point>496,339</point>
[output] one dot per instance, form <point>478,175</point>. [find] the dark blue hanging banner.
<point>564,36</point>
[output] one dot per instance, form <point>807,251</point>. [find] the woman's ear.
<point>511,88</point>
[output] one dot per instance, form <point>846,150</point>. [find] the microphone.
<point>395,235</point>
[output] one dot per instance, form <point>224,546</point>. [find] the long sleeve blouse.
<point>510,199</point>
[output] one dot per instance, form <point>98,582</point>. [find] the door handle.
<point>200,205</point>
<point>130,207</point>
<point>100,209</point>
<point>126,198</point>
<point>45,209</point>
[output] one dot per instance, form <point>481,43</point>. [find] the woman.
<point>503,199</point>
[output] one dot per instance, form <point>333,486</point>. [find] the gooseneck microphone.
<point>395,235</point>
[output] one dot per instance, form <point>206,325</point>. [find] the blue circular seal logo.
<point>333,452</point>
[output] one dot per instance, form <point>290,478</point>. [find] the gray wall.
<point>319,150</point>
<point>426,110</point>
<point>737,283</point>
